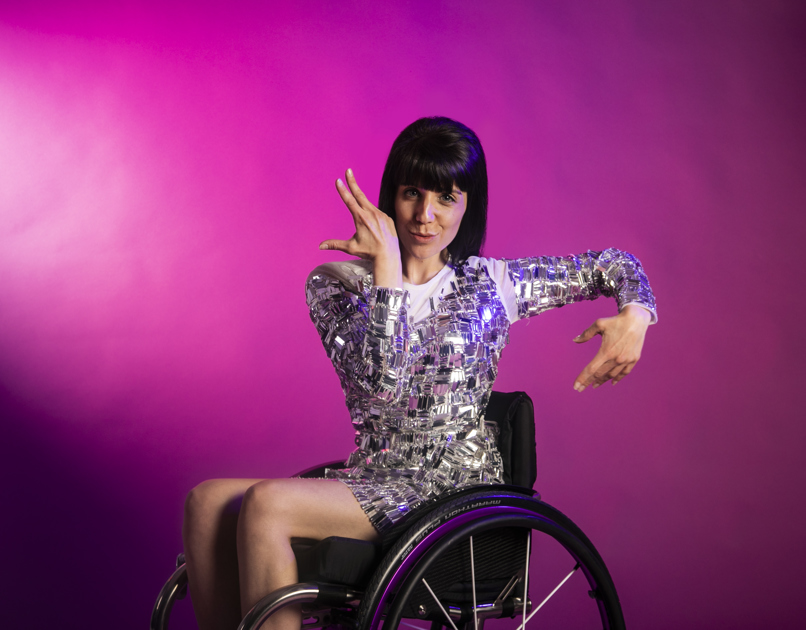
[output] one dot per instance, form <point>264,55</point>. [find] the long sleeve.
<point>364,330</point>
<point>535,285</point>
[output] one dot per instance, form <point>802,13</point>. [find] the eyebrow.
<point>455,191</point>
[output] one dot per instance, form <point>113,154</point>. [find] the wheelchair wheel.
<point>468,561</point>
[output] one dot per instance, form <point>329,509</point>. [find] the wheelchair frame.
<point>402,582</point>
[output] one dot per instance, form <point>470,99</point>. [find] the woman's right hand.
<point>375,235</point>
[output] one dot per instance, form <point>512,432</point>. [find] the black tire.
<point>475,513</point>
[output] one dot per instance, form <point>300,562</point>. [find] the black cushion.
<point>336,560</point>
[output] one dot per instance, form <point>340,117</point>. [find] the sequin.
<point>416,392</point>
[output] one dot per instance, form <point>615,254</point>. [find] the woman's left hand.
<point>622,340</point>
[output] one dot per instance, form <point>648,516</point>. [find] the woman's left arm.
<point>540,284</point>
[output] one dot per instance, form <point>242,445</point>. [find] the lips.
<point>422,238</point>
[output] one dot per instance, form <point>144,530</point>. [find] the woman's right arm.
<point>364,329</point>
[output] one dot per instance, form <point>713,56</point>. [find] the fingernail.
<point>615,382</point>
<point>339,182</point>
<point>323,246</point>
<point>350,172</point>
<point>597,385</point>
<point>579,387</point>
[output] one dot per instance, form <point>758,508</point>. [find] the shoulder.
<point>351,274</point>
<point>498,271</point>
<point>495,267</point>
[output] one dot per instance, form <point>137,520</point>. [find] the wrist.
<point>387,271</point>
<point>636,311</point>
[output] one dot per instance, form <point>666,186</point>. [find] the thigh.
<point>312,508</point>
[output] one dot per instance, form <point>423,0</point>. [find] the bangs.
<point>431,171</point>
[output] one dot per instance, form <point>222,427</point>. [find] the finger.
<point>604,373</point>
<point>616,373</point>
<point>354,188</point>
<point>590,332</point>
<point>342,246</point>
<point>585,377</point>
<point>347,197</point>
<point>624,373</point>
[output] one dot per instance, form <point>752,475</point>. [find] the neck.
<point>419,271</point>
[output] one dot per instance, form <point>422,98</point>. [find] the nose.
<point>425,210</point>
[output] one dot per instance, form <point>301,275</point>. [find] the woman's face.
<point>427,220</point>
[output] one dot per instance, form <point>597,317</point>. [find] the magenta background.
<point>166,176</point>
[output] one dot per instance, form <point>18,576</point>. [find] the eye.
<point>411,193</point>
<point>448,198</point>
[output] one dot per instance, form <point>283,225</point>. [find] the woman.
<point>415,330</point>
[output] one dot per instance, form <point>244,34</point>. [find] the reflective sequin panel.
<point>549,282</point>
<point>416,392</point>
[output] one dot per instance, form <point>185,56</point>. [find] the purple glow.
<point>166,174</point>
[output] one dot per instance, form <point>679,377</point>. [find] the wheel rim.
<point>424,553</point>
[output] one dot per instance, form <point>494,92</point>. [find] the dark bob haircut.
<point>436,153</point>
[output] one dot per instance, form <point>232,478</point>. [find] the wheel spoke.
<point>548,597</point>
<point>473,584</point>
<point>444,612</point>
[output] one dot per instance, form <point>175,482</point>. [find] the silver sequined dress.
<point>417,364</point>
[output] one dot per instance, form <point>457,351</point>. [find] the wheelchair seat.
<point>462,558</point>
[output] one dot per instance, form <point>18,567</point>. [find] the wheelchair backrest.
<point>514,415</point>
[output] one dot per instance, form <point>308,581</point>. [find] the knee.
<point>204,503</point>
<point>265,502</point>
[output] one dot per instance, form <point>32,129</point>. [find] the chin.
<point>425,255</point>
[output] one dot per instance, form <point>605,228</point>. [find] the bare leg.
<point>227,578</point>
<point>208,533</point>
<point>273,512</point>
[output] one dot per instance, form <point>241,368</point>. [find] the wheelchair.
<point>455,562</point>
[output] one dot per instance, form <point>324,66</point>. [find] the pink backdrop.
<point>166,176</point>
